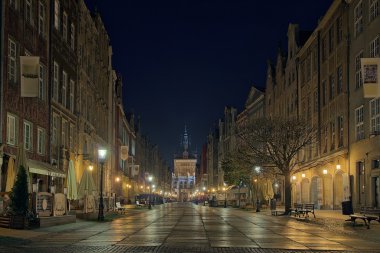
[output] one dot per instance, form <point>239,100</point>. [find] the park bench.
<point>119,208</point>
<point>367,214</point>
<point>366,218</point>
<point>371,211</point>
<point>296,209</point>
<point>306,209</point>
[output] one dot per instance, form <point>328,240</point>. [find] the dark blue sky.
<point>182,61</point>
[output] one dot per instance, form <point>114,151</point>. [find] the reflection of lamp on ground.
<point>225,197</point>
<point>150,178</point>
<point>102,158</point>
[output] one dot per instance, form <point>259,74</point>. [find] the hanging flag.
<point>124,152</point>
<point>30,75</point>
<point>370,76</point>
<point>135,170</point>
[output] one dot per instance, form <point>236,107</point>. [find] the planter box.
<point>18,222</point>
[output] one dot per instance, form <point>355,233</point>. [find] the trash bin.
<point>347,207</point>
<point>273,204</point>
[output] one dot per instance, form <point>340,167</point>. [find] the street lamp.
<point>150,178</point>
<point>257,169</point>
<point>102,158</point>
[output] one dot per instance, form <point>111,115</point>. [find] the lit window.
<point>57,14</point>
<point>27,135</point>
<point>64,26</point>
<point>374,105</point>
<point>12,55</point>
<point>11,129</point>
<point>55,81</point>
<point>28,11</point>
<point>340,129</point>
<point>358,72</point>
<point>358,18</point>
<point>41,19</point>
<point>72,90</point>
<point>41,137</point>
<point>72,37</point>
<point>340,79</point>
<point>359,123</point>
<point>374,47</point>
<point>373,9</point>
<point>64,88</point>
<point>41,83</point>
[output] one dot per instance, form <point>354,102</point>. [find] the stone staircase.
<point>5,222</point>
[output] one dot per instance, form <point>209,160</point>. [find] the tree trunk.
<point>288,193</point>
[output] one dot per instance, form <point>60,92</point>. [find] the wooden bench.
<point>296,209</point>
<point>119,208</point>
<point>306,209</point>
<point>366,218</point>
<point>371,211</point>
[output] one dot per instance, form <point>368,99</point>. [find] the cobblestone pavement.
<point>187,228</point>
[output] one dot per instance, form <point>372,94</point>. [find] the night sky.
<point>182,61</point>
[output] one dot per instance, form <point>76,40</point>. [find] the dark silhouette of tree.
<point>19,194</point>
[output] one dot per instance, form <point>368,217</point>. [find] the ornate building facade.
<point>183,177</point>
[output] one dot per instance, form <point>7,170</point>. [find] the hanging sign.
<point>124,152</point>
<point>370,75</point>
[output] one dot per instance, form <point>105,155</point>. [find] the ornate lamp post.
<point>102,158</point>
<point>150,178</point>
<point>257,169</point>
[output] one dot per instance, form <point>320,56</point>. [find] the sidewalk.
<point>335,221</point>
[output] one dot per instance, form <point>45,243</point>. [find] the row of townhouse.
<point>319,79</point>
<point>78,107</point>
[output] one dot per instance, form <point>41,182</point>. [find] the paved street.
<point>188,228</point>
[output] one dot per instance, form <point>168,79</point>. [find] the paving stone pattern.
<point>186,228</point>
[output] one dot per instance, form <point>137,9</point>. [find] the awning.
<point>42,168</point>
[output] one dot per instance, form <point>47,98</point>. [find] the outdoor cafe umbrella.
<point>86,184</point>
<point>21,160</point>
<point>267,189</point>
<point>11,175</point>
<point>72,193</point>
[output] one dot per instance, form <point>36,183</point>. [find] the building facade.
<point>183,177</point>
<point>364,113</point>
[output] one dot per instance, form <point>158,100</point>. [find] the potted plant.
<point>19,200</point>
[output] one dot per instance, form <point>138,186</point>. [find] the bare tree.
<point>275,143</point>
<point>240,168</point>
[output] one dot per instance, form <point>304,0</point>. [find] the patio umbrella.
<point>72,193</point>
<point>86,184</point>
<point>21,160</point>
<point>11,175</point>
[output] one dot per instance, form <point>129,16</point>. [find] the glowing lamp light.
<point>102,154</point>
<point>90,167</point>
<point>338,166</point>
<point>117,179</point>
<point>276,185</point>
<point>255,180</point>
<point>150,178</point>
<point>325,172</point>
<point>294,177</point>
<point>303,175</point>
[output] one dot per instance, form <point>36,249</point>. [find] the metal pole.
<point>101,205</point>
<point>150,197</point>
<point>257,195</point>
